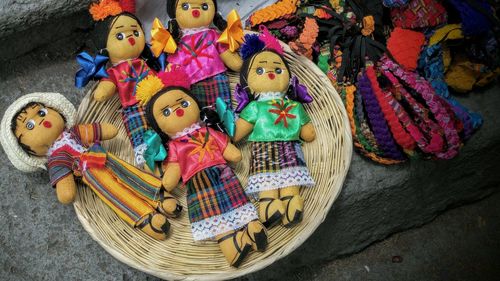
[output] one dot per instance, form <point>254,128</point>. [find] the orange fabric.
<point>104,9</point>
<point>275,11</point>
<point>303,45</point>
<point>368,26</point>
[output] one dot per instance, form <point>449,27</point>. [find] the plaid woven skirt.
<point>276,165</point>
<point>208,90</point>
<point>134,118</point>
<point>217,203</point>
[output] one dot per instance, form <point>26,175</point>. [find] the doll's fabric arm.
<point>307,131</point>
<point>245,124</point>
<point>232,153</point>
<point>66,189</point>
<point>105,90</point>
<point>232,60</point>
<point>172,176</point>
<point>91,133</point>
<point>243,129</point>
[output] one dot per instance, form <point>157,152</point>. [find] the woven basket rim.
<point>346,153</point>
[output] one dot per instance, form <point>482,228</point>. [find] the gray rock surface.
<point>42,239</point>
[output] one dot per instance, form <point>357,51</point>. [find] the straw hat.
<point>17,156</point>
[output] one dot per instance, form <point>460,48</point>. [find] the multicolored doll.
<point>273,116</point>
<point>217,204</point>
<point>37,130</point>
<point>199,48</point>
<point>120,38</point>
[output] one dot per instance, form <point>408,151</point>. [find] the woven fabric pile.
<point>395,64</point>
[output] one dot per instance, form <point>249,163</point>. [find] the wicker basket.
<point>179,257</point>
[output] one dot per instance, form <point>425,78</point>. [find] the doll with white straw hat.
<point>37,132</point>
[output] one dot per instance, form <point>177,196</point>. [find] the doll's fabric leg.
<point>271,209</point>
<point>293,204</point>
<point>235,245</point>
<point>135,122</point>
<point>125,203</point>
<point>207,91</point>
<point>145,185</point>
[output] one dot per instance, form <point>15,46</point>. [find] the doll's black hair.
<point>102,29</point>
<point>13,126</point>
<point>208,116</point>
<point>245,70</point>
<point>173,26</point>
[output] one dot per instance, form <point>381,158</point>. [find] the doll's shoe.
<point>235,247</point>
<point>294,210</point>
<point>257,233</point>
<point>271,210</point>
<point>156,228</point>
<point>168,205</point>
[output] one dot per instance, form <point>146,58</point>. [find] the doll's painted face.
<point>268,73</point>
<point>174,111</point>
<point>125,39</point>
<point>37,127</point>
<point>194,13</point>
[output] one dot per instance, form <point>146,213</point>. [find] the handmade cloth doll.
<point>276,122</point>
<point>120,38</point>
<point>38,130</point>
<point>199,49</point>
<point>217,204</point>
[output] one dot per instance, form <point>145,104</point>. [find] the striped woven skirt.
<point>276,165</point>
<point>208,90</point>
<point>134,118</point>
<point>131,193</point>
<point>217,203</point>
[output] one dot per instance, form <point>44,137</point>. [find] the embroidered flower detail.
<point>204,144</point>
<point>282,109</point>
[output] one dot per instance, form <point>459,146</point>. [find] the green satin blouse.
<point>275,119</point>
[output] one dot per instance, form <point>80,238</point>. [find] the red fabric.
<point>419,14</point>
<point>128,6</point>
<point>405,46</point>
<point>194,154</point>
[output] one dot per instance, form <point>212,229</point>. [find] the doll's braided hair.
<point>173,26</point>
<point>102,29</point>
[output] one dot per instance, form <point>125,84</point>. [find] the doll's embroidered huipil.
<point>277,157</point>
<point>217,203</point>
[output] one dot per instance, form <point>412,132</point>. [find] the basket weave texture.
<point>179,257</point>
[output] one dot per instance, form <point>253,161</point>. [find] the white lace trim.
<point>191,31</point>
<point>139,154</point>
<point>297,176</point>
<point>188,130</point>
<point>66,139</point>
<point>209,228</point>
<point>265,96</point>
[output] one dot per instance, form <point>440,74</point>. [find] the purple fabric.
<point>241,96</point>
<point>378,123</point>
<point>299,92</point>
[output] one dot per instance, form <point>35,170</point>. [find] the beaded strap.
<point>398,132</point>
<point>427,134</point>
<point>433,101</point>
<point>376,118</point>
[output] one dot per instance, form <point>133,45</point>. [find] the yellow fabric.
<point>447,32</point>
<point>86,134</point>
<point>233,34</point>
<point>161,39</point>
<point>124,194</point>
